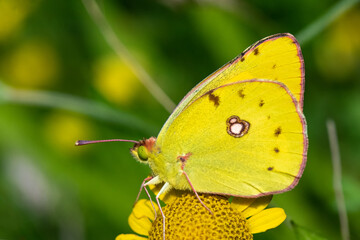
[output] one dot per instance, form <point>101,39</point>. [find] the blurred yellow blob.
<point>338,54</point>
<point>63,129</point>
<point>12,14</point>
<point>32,65</point>
<point>115,80</point>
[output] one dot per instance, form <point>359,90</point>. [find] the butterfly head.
<point>142,149</point>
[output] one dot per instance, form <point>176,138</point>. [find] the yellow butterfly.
<point>239,132</point>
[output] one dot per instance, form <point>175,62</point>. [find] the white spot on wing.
<point>233,120</point>
<point>236,128</point>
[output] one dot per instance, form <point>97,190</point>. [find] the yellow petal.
<point>240,204</point>
<point>129,237</point>
<point>145,208</point>
<point>140,219</point>
<point>256,206</point>
<point>267,219</point>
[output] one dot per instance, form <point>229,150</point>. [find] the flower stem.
<point>339,195</point>
<point>122,52</point>
<point>75,104</point>
<point>325,20</point>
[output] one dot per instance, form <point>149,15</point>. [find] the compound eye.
<point>143,153</point>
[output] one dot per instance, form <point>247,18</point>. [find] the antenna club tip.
<point>79,143</point>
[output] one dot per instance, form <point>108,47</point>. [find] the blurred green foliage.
<point>51,190</point>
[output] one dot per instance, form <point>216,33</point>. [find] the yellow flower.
<point>62,129</point>
<point>186,218</point>
<point>337,54</point>
<point>115,80</point>
<point>33,64</point>
<point>12,15</point>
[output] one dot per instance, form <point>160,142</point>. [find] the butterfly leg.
<point>164,189</point>
<point>151,181</point>
<point>141,187</point>
<point>197,195</point>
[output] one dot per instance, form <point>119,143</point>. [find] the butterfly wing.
<point>245,139</point>
<point>277,57</point>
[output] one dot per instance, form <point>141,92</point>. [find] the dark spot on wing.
<point>256,51</point>
<point>242,59</point>
<point>274,66</point>
<point>241,93</point>
<point>268,117</point>
<point>277,132</point>
<point>270,168</point>
<point>273,37</point>
<point>237,58</point>
<point>214,98</point>
<point>276,149</point>
<point>261,103</point>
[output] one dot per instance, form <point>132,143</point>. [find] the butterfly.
<point>240,132</point>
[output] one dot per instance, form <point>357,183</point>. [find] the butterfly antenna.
<point>85,142</point>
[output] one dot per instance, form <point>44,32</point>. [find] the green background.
<point>60,81</point>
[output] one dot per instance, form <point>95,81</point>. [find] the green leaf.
<point>303,233</point>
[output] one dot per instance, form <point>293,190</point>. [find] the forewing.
<point>277,57</point>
